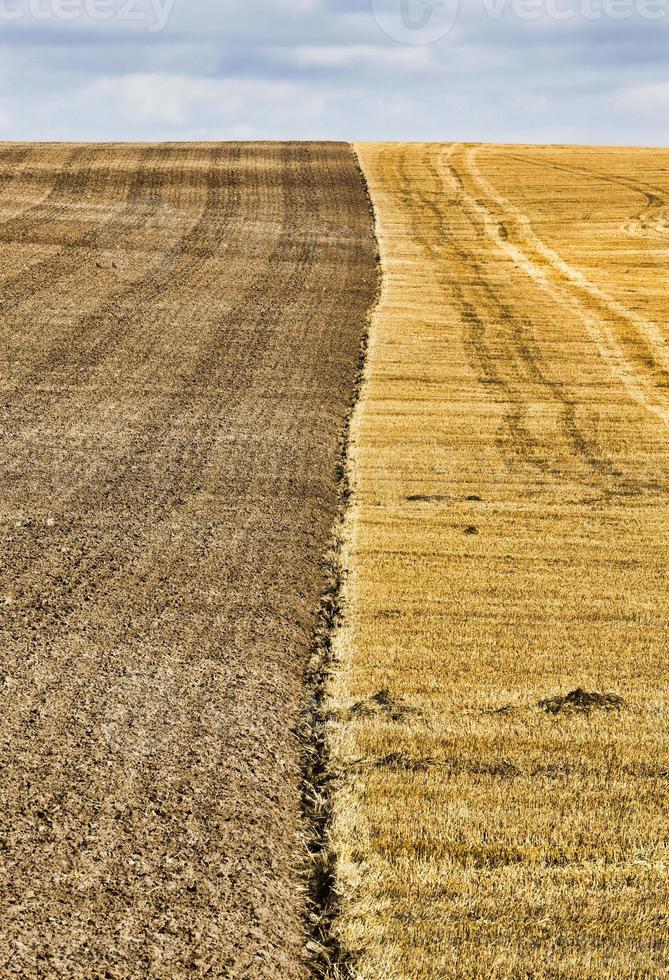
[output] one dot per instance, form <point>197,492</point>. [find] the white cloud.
<point>646,100</point>
<point>360,56</point>
<point>532,104</point>
<point>153,100</point>
<point>298,6</point>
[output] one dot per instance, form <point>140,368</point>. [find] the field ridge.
<point>325,954</point>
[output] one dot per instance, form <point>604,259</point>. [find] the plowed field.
<point>180,335</point>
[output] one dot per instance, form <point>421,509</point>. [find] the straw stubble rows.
<point>498,716</point>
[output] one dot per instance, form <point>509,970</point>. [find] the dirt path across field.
<point>180,328</point>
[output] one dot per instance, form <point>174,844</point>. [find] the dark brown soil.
<point>180,333</point>
<point>582,701</point>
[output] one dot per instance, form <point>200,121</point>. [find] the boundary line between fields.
<point>325,958</point>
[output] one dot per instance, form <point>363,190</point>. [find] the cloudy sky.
<point>587,71</point>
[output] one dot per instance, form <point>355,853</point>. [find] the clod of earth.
<point>582,701</point>
<point>398,760</point>
<point>381,703</point>
<point>425,498</point>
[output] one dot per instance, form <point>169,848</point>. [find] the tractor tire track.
<point>507,368</point>
<point>645,388</point>
<point>646,221</point>
<point>481,357</point>
<point>649,347</point>
<point>93,336</point>
<point>44,276</point>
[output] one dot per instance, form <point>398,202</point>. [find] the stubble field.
<point>498,718</point>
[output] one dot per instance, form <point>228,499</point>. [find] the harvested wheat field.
<point>181,328</point>
<point>499,716</point>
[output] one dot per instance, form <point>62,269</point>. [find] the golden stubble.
<point>506,546</point>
